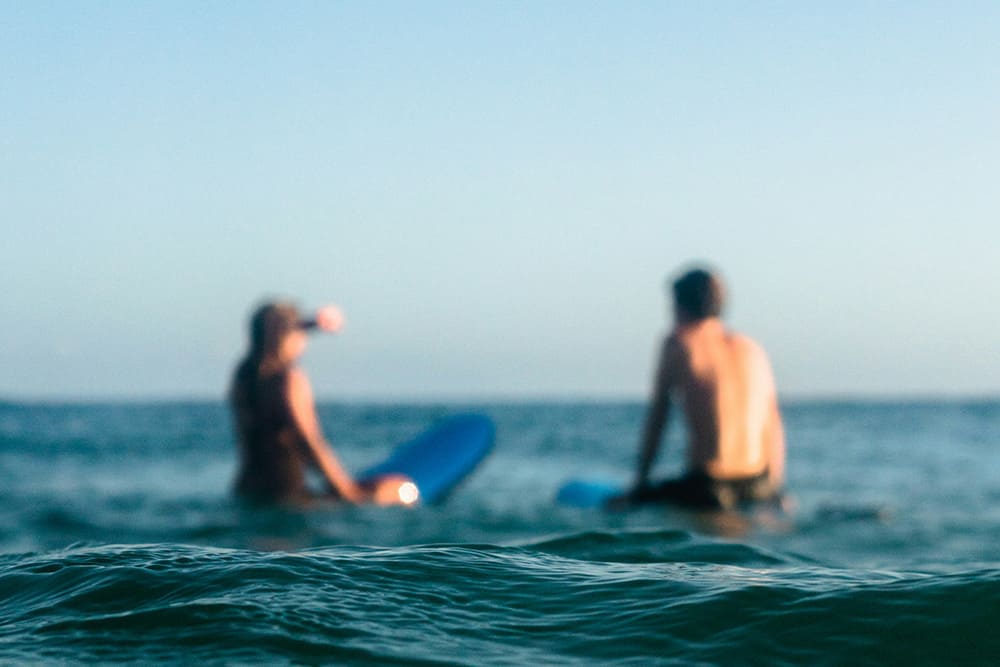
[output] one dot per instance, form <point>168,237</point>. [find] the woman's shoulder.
<point>294,383</point>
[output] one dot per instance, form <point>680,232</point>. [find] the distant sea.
<point>120,543</point>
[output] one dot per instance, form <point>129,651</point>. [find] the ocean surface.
<point>120,543</point>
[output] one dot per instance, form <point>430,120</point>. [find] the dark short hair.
<point>698,294</point>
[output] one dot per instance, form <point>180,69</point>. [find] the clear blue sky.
<point>496,192</point>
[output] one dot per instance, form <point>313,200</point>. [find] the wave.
<point>605,598</point>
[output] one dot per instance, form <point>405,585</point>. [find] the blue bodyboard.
<point>588,493</point>
<point>440,457</point>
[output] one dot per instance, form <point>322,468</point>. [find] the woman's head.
<point>276,332</point>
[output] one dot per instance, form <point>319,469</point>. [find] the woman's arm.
<point>299,396</point>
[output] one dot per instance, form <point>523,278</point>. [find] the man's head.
<point>698,294</point>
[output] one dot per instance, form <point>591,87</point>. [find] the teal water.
<point>119,543</point>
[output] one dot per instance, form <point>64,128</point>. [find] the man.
<point>723,382</point>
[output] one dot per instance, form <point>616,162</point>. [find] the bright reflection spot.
<point>408,493</point>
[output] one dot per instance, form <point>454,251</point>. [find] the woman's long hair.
<point>269,326</point>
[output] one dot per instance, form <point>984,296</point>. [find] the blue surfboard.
<point>594,493</point>
<point>588,493</point>
<point>440,457</point>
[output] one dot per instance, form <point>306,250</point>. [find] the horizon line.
<point>502,398</point>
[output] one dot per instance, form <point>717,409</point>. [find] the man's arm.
<point>303,411</point>
<point>774,440</point>
<point>657,412</point>
<point>773,435</point>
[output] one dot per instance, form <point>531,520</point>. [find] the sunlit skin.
<point>725,387</point>
<point>388,490</point>
<point>330,319</point>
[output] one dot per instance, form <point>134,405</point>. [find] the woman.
<point>276,424</point>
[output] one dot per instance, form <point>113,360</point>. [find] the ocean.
<point>120,543</point>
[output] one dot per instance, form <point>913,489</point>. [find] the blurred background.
<point>495,193</point>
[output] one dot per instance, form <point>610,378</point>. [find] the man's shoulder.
<point>747,345</point>
<point>740,338</point>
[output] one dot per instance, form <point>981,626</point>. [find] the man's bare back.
<point>724,385</point>
<point>729,401</point>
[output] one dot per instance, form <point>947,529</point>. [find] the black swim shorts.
<point>698,490</point>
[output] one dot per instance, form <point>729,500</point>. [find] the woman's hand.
<point>330,318</point>
<point>394,490</point>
